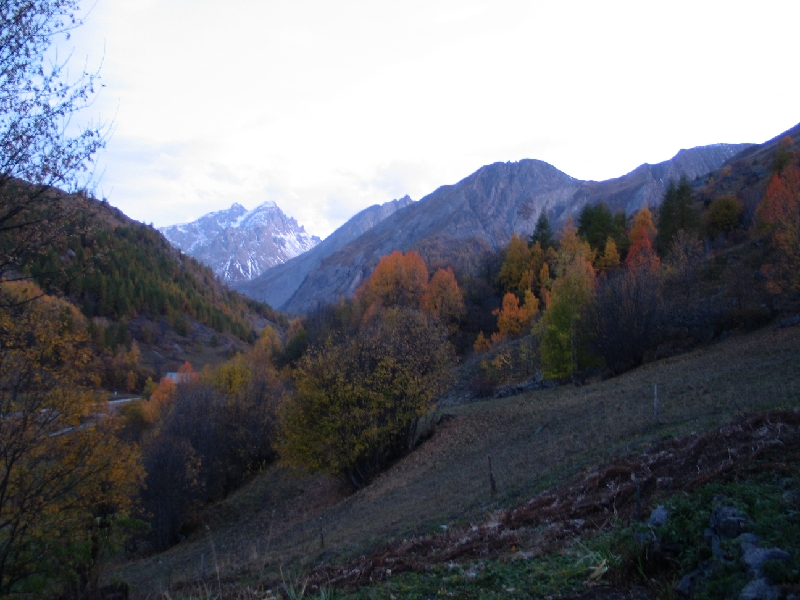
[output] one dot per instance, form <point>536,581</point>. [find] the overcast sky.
<point>328,107</point>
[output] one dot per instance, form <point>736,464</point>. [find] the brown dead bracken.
<point>543,524</point>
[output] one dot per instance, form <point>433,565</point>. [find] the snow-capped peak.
<point>240,244</point>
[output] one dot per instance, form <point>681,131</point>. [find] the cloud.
<point>327,108</point>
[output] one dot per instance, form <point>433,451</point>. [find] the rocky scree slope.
<point>239,244</point>
<point>483,211</point>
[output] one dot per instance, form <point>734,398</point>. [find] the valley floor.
<point>274,527</point>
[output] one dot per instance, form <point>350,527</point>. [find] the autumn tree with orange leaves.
<point>778,216</point>
<point>642,254</point>
<point>401,281</point>
<point>513,319</point>
<point>443,298</point>
<point>398,280</point>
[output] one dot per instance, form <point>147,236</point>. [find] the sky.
<point>329,107</point>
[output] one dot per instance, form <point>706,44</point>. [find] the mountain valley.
<point>481,212</point>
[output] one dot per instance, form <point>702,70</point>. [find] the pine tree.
<point>676,213</point>
<point>543,233</point>
<point>596,225</point>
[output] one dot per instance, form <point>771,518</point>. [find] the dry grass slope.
<point>536,440</point>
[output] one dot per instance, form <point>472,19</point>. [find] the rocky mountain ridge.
<point>240,244</point>
<point>479,212</point>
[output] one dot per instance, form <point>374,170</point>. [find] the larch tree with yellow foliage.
<point>443,299</point>
<point>540,270</point>
<point>515,272</point>
<point>562,351</point>
<point>401,281</point>
<point>513,319</point>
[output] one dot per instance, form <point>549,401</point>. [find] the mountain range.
<point>479,213</point>
<point>281,281</point>
<point>239,244</point>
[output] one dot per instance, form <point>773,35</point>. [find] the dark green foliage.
<point>783,155</point>
<point>481,297</point>
<point>329,321</point>
<point>547,576</point>
<point>620,234</point>
<point>172,488</point>
<point>543,233</point>
<point>130,270</point>
<point>296,347</point>
<point>768,503</point>
<point>676,213</point>
<point>596,224</point>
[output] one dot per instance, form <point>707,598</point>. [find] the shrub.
<point>723,216</point>
<point>358,401</point>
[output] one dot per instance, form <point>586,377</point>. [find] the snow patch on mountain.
<point>240,244</point>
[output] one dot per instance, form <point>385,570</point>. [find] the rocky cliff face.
<point>277,285</point>
<point>239,244</point>
<point>645,185</point>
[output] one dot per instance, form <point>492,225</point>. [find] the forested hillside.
<point>120,269</point>
<point>150,307</point>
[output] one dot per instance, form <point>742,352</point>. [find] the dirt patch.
<point>766,441</point>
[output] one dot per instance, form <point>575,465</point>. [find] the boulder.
<point>728,522</point>
<point>658,517</point>
<point>760,589</point>
<point>754,558</point>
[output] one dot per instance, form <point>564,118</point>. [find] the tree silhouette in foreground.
<point>41,149</point>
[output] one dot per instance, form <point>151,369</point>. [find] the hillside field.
<point>272,528</point>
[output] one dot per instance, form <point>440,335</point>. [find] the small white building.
<point>179,378</point>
